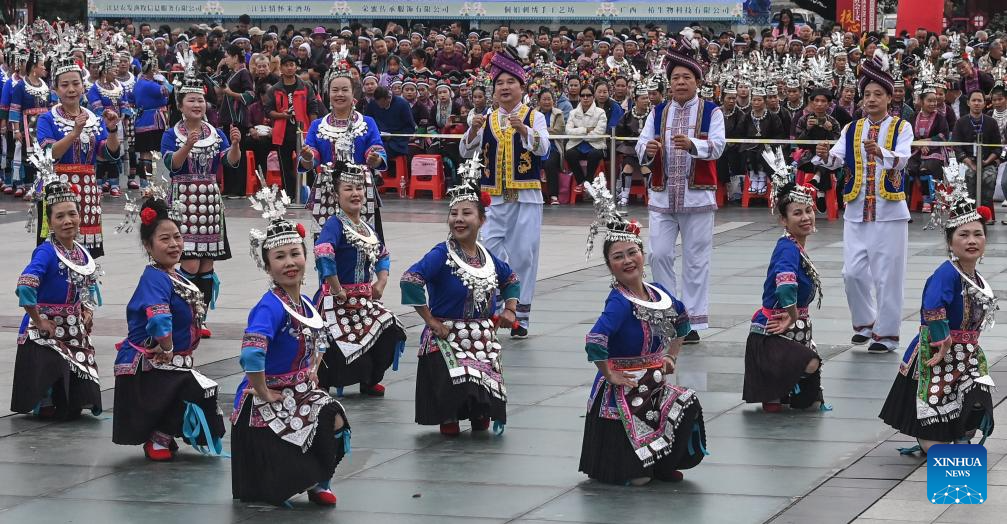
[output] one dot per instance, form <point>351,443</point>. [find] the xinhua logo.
<point>956,474</point>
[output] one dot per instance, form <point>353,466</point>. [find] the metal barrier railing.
<point>612,139</point>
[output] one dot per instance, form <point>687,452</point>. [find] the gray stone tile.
<point>879,467</point>
<point>731,479</point>
<point>594,504</point>
<point>517,441</point>
<point>913,511</point>
<point>778,452</point>
<point>515,470</point>
<point>39,479</point>
<point>548,417</point>
<point>460,499</point>
<point>795,425</point>
<point>60,511</point>
<point>338,515</point>
<point>992,511</point>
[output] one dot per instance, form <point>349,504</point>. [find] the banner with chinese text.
<point>323,10</point>
<point>857,15</point>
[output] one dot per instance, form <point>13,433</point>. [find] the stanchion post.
<point>611,161</point>
<point>979,173</point>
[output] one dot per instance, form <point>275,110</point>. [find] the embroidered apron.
<point>294,418</point>
<point>941,389</point>
<point>472,354</point>
<point>355,325</point>
<point>652,410</point>
<point>70,339</point>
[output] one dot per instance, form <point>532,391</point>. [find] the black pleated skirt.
<point>41,372</point>
<point>899,412</point>
<point>774,365</point>
<point>265,468</point>
<point>148,141</point>
<point>607,456</point>
<point>154,400</point>
<point>368,369</point>
<point>439,400</point>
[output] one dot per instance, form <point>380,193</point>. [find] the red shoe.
<point>157,455</point>
<point>133,184</point>
<point>450,429</point>
<point>205,333</point>
<point>480,424</point>
<point>8,190</point>
<point>19,192</point>
<point>674,476</point>
<point>772,407</point>
<point>115,192</point>
<point>377,390</point>
<point>322,498</point>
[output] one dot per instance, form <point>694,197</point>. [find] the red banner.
<point>858,15</point>
<point>928,14</point>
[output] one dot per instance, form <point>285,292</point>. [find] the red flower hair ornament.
<point>75,189</point>
<point>485,199</point>
<point>985,212</point>
<point>301,231</point>
<point>633,227</point>
<point>147,216</point>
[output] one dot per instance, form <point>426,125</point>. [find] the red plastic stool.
<point>579,195</point>
<point>393,183</point>
<point>747,196</point>
<point>916,197</point>
<point>639,190</point>
<point>427,174</point>
<point>251,179</point>
<point>832,202</point>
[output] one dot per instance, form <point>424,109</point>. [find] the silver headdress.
<point>340,66</point>
<point>191,82</point>
<point>470,173</point>
<point>617,226</point>
<point>272,202</point>
<point>817,73</point>
<point>157,190</point>
<point>782,177</point>
<point>952,205</point>
<point>46,174</point>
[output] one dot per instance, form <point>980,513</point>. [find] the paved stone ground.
<point>791,467</point>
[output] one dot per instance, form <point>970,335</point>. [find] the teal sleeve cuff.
<point>683,328</point>
<point>27,296</point>
<point>786,295</point>
<point>939,330</point>
<point>596,352</point>
<point>383,264</point>
<point>511,291</point>
<point>413,294</point>
<point>253,360</point>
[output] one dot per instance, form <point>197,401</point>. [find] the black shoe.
<point>691,338</point>
<point>878,347</point>
<point>859,340</point>
<point>519,331</point>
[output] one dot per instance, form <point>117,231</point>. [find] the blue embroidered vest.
<point>508,164</point>
<point>893,181</point>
